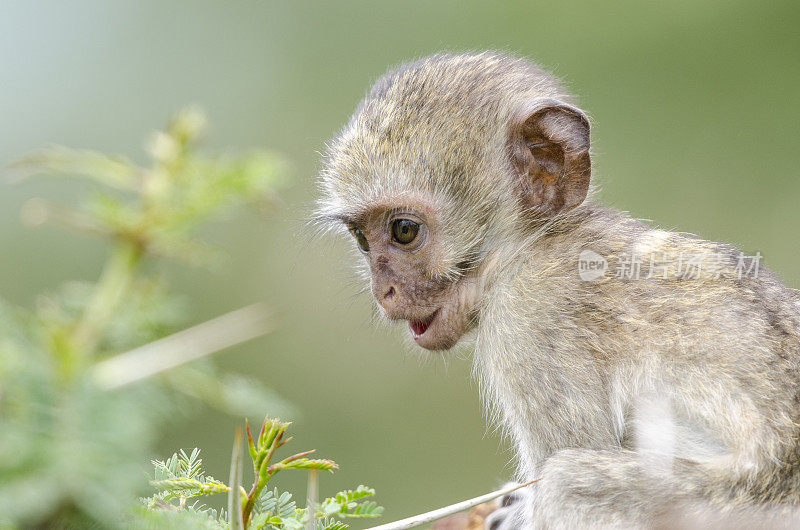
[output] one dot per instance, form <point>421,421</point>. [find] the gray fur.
<point>565,364</point>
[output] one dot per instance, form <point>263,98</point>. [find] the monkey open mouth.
<point>419,327</point>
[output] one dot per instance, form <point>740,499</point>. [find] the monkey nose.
<point>387,297</point>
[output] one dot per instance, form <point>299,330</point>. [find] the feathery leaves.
<point>181,478</point>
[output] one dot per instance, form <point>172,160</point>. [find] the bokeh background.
<point>696,106</point>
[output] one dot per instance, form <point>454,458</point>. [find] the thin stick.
<point>181,347</point>
<point>235,491</point>
<point>434,515</point>
<point>312,498</point>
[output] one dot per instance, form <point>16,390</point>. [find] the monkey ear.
<point>549,147</point>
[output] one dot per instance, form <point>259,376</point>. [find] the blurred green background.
<point>696,113</point>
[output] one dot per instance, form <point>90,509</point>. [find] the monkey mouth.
<point>419,327</point>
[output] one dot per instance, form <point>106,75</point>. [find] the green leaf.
<point>334,525</point>
<point>366,510</point>
<point>298,522</point>
<point>346,504</point>
<point>113,171</point>
<point>360,492</point>
<point>305,463</point>
<point>264,520</point>
<point>280,504</point>
<point>191,486</point>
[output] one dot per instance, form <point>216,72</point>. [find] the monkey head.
<point>448,164</point>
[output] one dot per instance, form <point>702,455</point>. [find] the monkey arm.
<point>621,488</point>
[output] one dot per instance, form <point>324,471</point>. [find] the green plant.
<point>180,479</point>
<point>87,375</point>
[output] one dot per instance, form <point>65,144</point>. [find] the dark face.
<point>403,250</point>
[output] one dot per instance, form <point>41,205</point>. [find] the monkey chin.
<point>437,332</point>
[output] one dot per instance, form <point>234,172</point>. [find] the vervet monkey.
<point>635,369</point>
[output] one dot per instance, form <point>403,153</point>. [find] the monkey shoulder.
<point>616,284</point>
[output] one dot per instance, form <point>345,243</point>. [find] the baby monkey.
<point>640,373</point>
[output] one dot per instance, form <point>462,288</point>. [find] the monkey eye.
<point>361,239</point>
<point>404,231</point>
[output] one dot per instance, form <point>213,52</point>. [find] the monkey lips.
<point>419,327</point>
